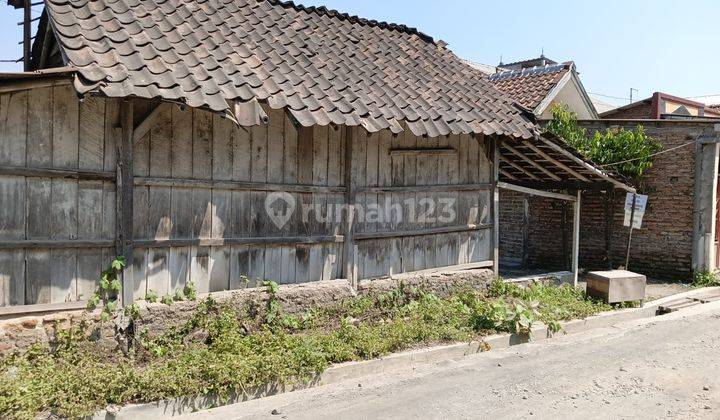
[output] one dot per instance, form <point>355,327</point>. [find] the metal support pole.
<point>632,224</point>
<point>576,238</point>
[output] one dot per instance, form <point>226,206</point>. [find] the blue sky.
<point>661,45</point>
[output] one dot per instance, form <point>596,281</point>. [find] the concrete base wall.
<point>20,332</point>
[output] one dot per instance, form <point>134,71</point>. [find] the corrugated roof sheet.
<point>531,85</point>
<point>322,65</point>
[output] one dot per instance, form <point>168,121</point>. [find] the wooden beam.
<point>426,188</point>
<point>26,310</point>
<point>124,198</point>
<point>518,168</point>
<point>268,240</point>
<point>532,162</point>
<point>56,244</point>
<point>508,175</point>
<point>149,122</point>
<point>350,267</point>
<point>45,49</point>
<point>495,204</point>
<point>436,151</point>
<point>587,166</point>
<point>420,232</point>
<point>525,190</point>
<point>33,84</point>
<point>27,34</point>
<point>236,185</point>
<point>556,162</point>
<point>56,173</point>
<point>576,238</point>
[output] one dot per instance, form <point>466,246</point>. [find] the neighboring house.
<point>172,129</point>
<point>663,106</point>
<point>538,83</point>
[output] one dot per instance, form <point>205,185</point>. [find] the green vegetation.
<point>627,152</point>
<point>108,290</point>
<point>705,279</point>
<point>225,348</point>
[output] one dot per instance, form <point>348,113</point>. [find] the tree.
<point>627,152</point>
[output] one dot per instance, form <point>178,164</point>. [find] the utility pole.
<point>631,94</point>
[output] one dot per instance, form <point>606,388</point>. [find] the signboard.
<point>640,205</point>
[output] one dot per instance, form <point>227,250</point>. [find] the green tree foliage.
<point>633,148</point>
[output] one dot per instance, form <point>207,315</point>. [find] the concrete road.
<point>665,367</point>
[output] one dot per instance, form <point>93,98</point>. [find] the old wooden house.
<point>224,140</point>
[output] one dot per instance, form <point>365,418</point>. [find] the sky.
<point>660,45</point>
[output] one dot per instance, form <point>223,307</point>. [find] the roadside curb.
<point>394,363</point>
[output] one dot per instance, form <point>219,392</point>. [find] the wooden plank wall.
<point>379,252</point>
<point>56,232</point>
<point>200,190</point>
<point>200,202</point>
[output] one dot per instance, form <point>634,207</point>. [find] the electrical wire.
<point>652,155</point>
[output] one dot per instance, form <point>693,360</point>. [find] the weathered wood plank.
<point>288,259</point>
<point>161,144</point>
<point>302,263</point>
<point>63,285</point>
<point>221,213</point>
<point>181,213</point>
<point>89,267</point>
<point>37,276</point>
<point>200,268</point>
<point>202,144</point>
<point>275,146</point>
<point>223,148</point>
<point>240,266</point>
<point>40,127</point>
<point>201,213</point>
<point>220,273</point>
<point>91,134</point>
<point>38,203</point>
<point>90,210</point>
<point>179,267</point>
<point>112,134</point>
<point>182,142</point>
<point>139,269</point>
<point>13,128</point>
<point>256,270</point>
<point>12,278</point>
<point>141,213</point>
<point>158,271</point>
<point>273,263</point>
<point>290,151</point>
<point>12,208</point>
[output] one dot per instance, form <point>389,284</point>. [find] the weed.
<point>108,289</point>
<point>705,279</point>
<point>151,296</point>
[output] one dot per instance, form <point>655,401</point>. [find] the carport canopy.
<point>545,166</point>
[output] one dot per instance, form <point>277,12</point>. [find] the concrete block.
<point>616,285</point>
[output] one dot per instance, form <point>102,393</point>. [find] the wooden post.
<point>495,205</point>
<point>124,198</point>
<point>26,34</point>
<point>349,269</point>
<point>576,238</point>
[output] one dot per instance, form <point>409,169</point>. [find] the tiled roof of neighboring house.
<point>530,86</point>
<point>322,65</point>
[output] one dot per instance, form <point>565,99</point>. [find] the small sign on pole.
<point>636,213</point>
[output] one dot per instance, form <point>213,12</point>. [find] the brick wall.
<point>661,249</point>
<point>511,226</point>
<point>642,110</point>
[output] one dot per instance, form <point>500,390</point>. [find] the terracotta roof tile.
<point>325,66</point>
<point>531,85</point>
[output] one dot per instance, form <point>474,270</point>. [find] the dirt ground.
<point>664,367</point>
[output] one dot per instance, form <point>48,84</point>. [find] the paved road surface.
<point>667,367</point>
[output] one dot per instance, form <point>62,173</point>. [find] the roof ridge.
<point>322,10</point>
<point>529,71</point>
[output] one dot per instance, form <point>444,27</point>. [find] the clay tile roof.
<point>530,86</point>
<point>322,65</point>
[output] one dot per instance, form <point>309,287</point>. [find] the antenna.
<point>501,63</point>
<point>631,94</point>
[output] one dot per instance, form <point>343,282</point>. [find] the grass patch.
<point>223,349</point>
